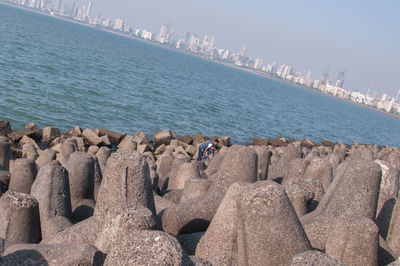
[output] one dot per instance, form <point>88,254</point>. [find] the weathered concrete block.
<point>50,133</point>
<point>29,151</point>
<point>195,187</point>
<point>128,143</point>
<point>194,215</point>
<point>102,155</point>
<point>162,137</point>
<point>91,137</point>
<point>354,192</point>
<point>5,128</point>
<point>389,187</point>
<point>23,175</point>
<point>127,222</point>
<point>313,258</point>
<point>267,219</point>
<point>93,150</point>
<point>353,241</point>
<point>45,157</point>
<point>19,218</point>
<point>147,248</point>
<point>80,168</point>
<point>5,152</point>
<point>51,189</point>
<point>184,172</point>
<point>114,137</point>
<point>83,210</point>
<point>52,255</point>
<point>126,183</point>
<point>213,166</point>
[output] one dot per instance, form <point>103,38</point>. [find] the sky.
<point>359,37</point>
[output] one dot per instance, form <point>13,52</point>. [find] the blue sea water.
<point>56,73</point>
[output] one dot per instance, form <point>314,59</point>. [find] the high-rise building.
<point>89,9</point>
<point>119,24</point>
<point>163,36</point>
<point>208,44</point>
<point>384,97</point>
<point>308,75</point>
<point>340,80</point>
<point>258,63</point>
<point>243,50</point>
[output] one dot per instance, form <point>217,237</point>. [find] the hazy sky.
<point>361,37</point>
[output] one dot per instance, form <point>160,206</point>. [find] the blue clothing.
<point>202,148</point>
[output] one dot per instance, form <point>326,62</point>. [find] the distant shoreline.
<point>252,71</point>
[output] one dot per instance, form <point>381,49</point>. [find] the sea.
<point>58,73</point>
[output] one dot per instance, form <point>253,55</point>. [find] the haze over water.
<point>57,73</point>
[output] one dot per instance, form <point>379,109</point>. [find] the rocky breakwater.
<point>98,197</point>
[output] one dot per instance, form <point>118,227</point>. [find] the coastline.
<point>248,70</point>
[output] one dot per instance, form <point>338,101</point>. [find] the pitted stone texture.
<point>19,218</point>
<point>184,172</point>
<point>102,155</point>
<point>128,143</point>
<point>279,168</point>
<point>5,152</point>
<point>214,165</point>
<point>263,160</point>
<point>52,255</point>
<point>45,157</point>
<point>163,137</point>
<point>240,164</point>
<point>67,148</point>
<point>29,151</point>
<point>314,258</point>
<point>354,192</point>
<point>321,170</point>
<point>128,221</point>
<point>5,128</point>
<point>147,248</point>
<point>392,234</point>
<point>195,214</point>
<point>267,219</point>
<point>80,168</point>
<point>114,137</point>
<point>353,241</point>
<point>51,189</point>
<point>195,187</point>
<point>389,187</point>
<point>50,133</point>
<point>219,244</point>
<point>91,137</point>
<point>126,184</point>
<point>23,175</point>
<point>83,210</point>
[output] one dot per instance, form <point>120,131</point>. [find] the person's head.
<point>215,144</point>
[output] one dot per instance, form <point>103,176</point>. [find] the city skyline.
<point>355,37</point>
<point>208,45</point>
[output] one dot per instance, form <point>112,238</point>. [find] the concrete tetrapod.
<point>353,241</point>
<point>5,152</point>
<point>314,258</point>
<point>80,168</point>
<point>19,218</point>
<point>147,248</point>
<point>52,255</point>
<point>125,204</point>
<point>23,175</point>
<point>269,231</point>
<point>195,214</point>
<point>51,189</point>
<point>354,192</point>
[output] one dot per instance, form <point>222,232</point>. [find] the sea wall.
<point>98,197</point>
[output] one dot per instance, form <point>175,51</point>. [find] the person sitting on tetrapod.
<point>206,148</point>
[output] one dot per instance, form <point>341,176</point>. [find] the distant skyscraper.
<point>340,80</point>
<point>384,97</point>
<point>163,36</point>
<point>243,51</point>
<point>89,9</point>
<point>308,75</point>
<point>258,63</point>
<point>119,24</point>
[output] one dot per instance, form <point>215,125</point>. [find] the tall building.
<point>208,44</point>
<point>89,9</point>
<point>258,63</point>
<point>119,24</point>
<point>243,50</point>
<point>163,36</point>
<point>340,80</point>
<point>308,75</point>
<point>384,97</point>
